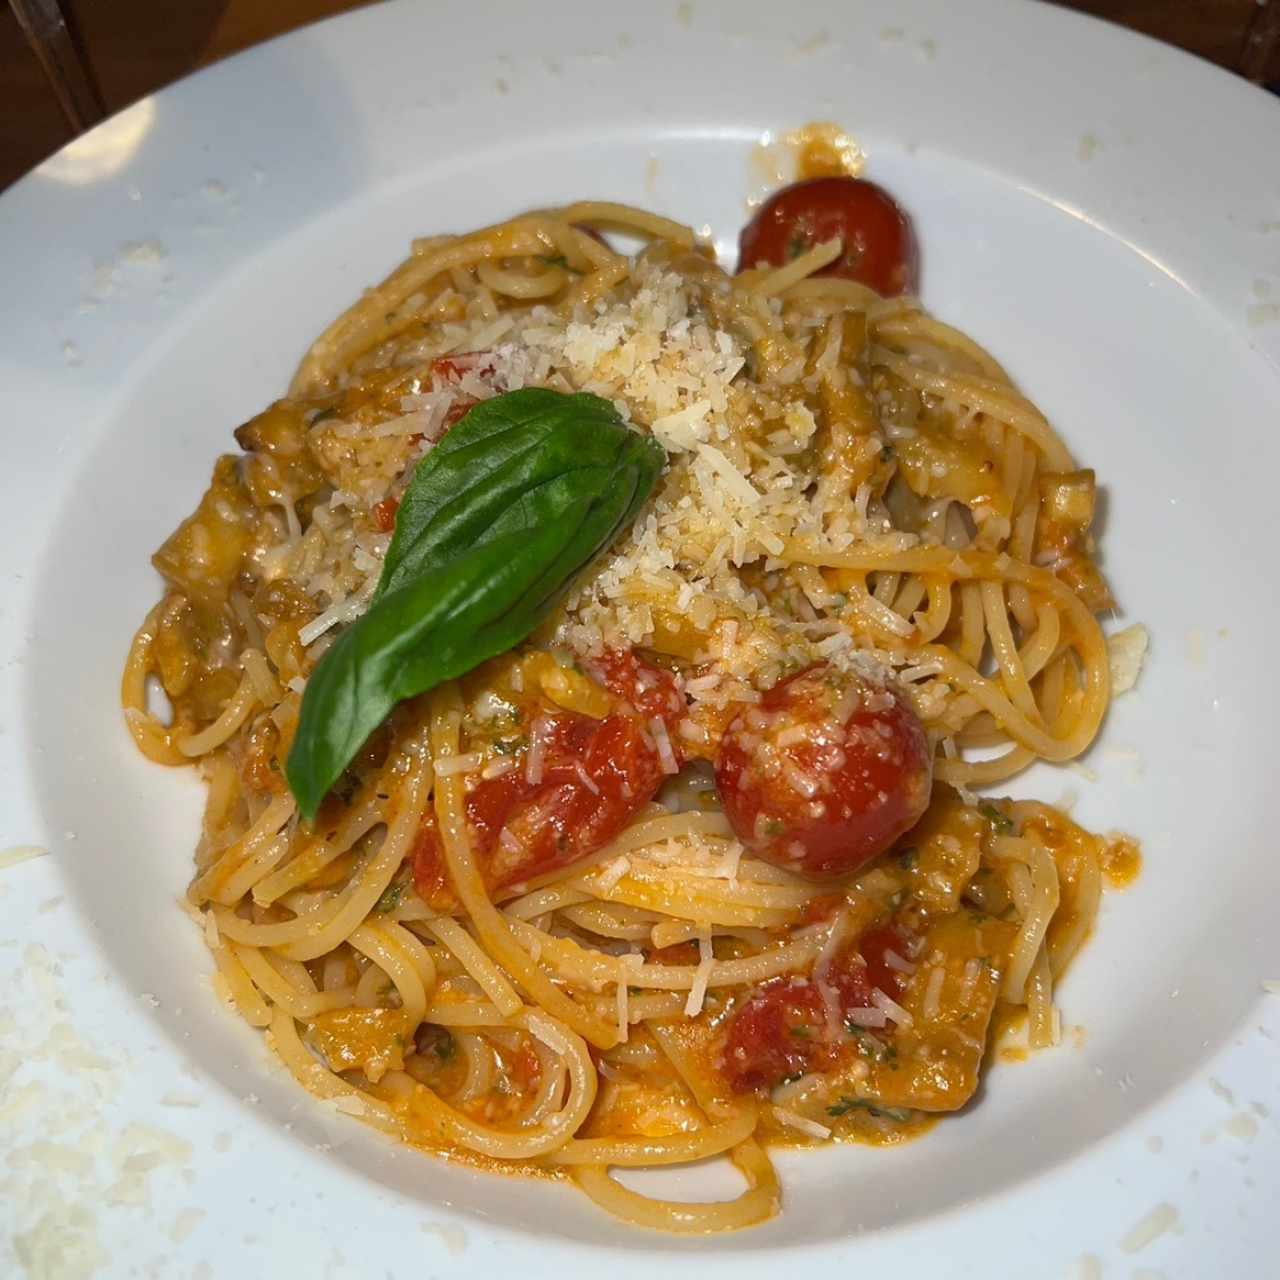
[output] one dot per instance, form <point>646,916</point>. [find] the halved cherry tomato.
<point>782,1028</point>
<point>879,243</point>
<point>825,773</point>
<point>594,775</point>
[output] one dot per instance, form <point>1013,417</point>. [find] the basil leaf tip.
<point>497,521</point>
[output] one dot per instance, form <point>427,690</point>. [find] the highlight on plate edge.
<point>600,665</point>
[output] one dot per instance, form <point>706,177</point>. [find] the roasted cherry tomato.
<point>587,780</point>
<point>783,1028</point>
<point>879,243</point>
<point>824,773</point>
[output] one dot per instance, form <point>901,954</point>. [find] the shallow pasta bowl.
<point>165,272</point>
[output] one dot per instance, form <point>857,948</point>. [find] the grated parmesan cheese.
<point>702,976</point>
<point>1127,651</point>
<point>17,853</point>
<point>1149,1228</point>
<point>793,1120</point>
<point>891,1009</point>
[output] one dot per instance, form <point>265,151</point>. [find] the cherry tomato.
<point>650,690</point>
<point>595,775</point>
<point>782,1028</point>
<point>879,243</point>
<point>825,773</point>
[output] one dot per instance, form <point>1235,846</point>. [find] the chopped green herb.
<point>797,245</point>
<point>1001,823</point>
<point>390,899</point>
<point>512,747</point>
<point>445,1047</point>
<point>908,858</point>
<point>558,260</point>
<point>801,1033</point>
<point>871,1046</point>
<point>899,1115</point>
<point>886,453</point>
<point>774,827</point>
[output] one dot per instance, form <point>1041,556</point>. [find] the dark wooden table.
<point>136,46</point>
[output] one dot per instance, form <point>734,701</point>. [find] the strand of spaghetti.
<point>933,621</point>
<point>596,284</point>
<point>371,987</point>
<point>244,995</point>
<point>357,822</point>
<point>323,1083</point>
<point>1009,662</point>
<point>671,932</point>
<point>669,896</point>
<point>238,883</point>
<point>491,926</point>
<point>595,969</point>
<point>981,773</point>
<point>998,400</point>
<point>916,328</point>
<point>447,1124</point>
<point>265,684</point>
<point>517,284</point>
<point>911,595</point>
<point>678,1148</point>
<point>480,1066</point>
<point>419,955</point>
<point>843,293</point>
<point>551,1084</point>
<point>1037,912</point>
<point>759,1202</point>
<point>972,640</point>
<point>155,740</point>
<point>543,900</point>
<point>782,278</point>
<point>463,1013</point>
<point>608,213</point>
<point>284,994</point>
<point>233,715</point>
<point>309,936</point>
<point>645,1007</point>
<point>221,803</point>
<point>212,884</point>
<point>1040,1019</point>
<point>605,923</point>
<point>392,959</point>
<point>473,959</point>
<point>1039,650</point>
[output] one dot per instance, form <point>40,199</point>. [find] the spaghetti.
<point>854,489</point>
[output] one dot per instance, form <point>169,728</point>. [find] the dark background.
<point>136,46</point>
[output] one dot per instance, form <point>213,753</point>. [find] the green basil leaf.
<point>483,479</point>
<point>496,522</point>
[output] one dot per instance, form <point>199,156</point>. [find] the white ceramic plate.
<point>1101,211</point>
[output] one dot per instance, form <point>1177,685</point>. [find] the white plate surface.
<point>1101,211</point>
